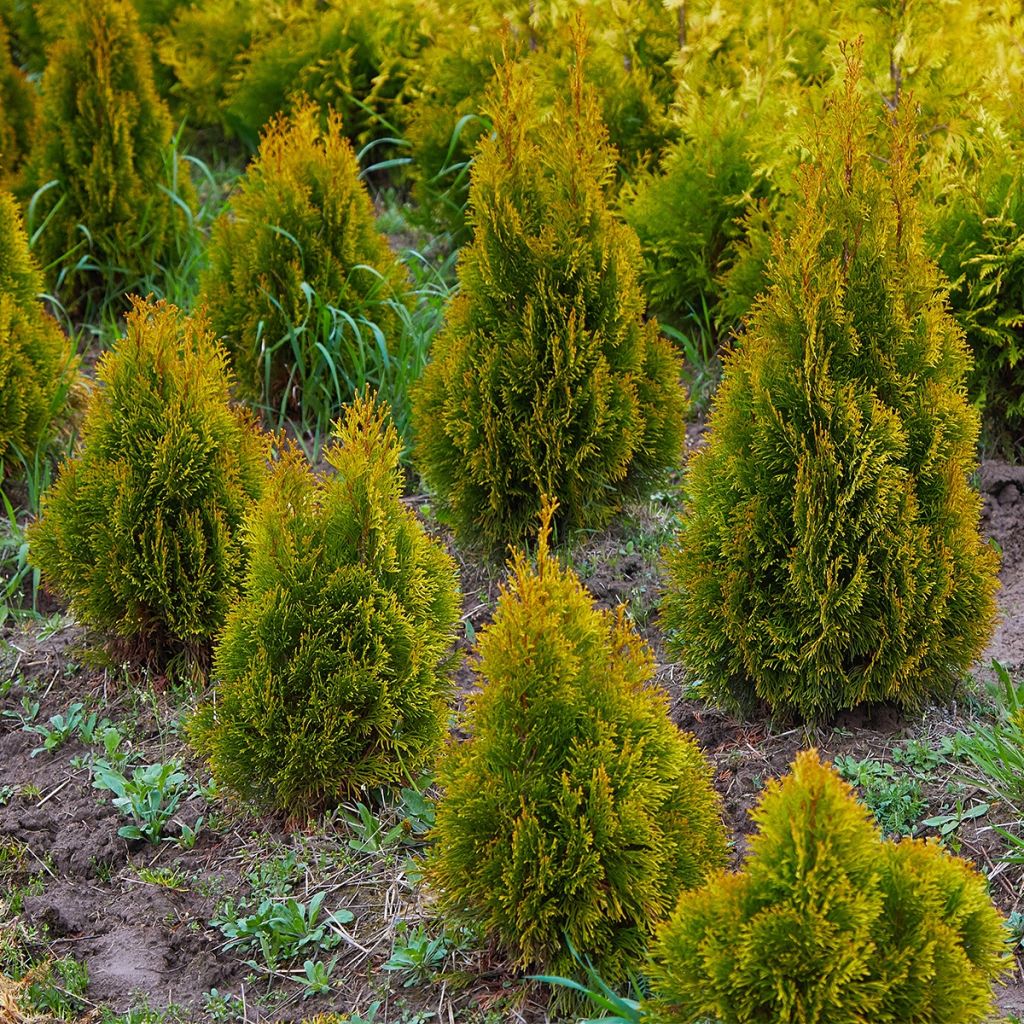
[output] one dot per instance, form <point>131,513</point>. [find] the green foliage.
<point>297,266</point>
<point>576,811</point>
<point>545,378</point>
<point>828,923</point>
<point>110,196</point>
<point>332,667</point>
<point>140,530</point>
<point>978,236</point>
<point>37,363</point>
<point>149,798</point>
<point>17,113</point>
<point>830,552</point>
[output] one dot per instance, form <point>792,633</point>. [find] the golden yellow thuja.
<point>576,811</point>
<point>829,553</point>
<point>546,378</point>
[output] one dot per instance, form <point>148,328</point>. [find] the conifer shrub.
<point>576,809</point>
<point>37,362</point>
<point>828,923</point>
<point>113,202</point>
<point>829,554</point>
<point>140,531</point>
<point>299,234</point>
<point>545,378</point>
<point>978,237</point>
<point>331,670</point>
<point>17,114</point>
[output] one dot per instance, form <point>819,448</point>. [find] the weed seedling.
<point>416,954</point>
<point>149,798</point>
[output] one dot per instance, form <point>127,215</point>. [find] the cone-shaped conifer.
<point>102,153</point>
<point>300,231</point>
<point>576,809</point>
<point>37,362</point>
<point>829,924</point>
<point>17,113</point>
<point>331,671</point>
<point>140,532</point>
<point>830,551</point>
<point>545,379</point>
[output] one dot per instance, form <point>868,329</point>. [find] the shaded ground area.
<point>143,917</point>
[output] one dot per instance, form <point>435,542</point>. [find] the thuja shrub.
<point>828,923</point>
<point>978,236</point>
<point>331,670</point>
<point>140,531</point>
<point>18,107</point>
<point>576,810</point>
<point>113,202</point>
<point>829,553</point>
<point>297,237</point>
<point>37,362</point>
<point>545,378</point>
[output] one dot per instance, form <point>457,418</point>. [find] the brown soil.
<point>154,944</point>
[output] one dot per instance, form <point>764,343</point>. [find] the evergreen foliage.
<point>331,671</point>
<point>37,362</point>
<point>18,104</point>
<point>576,809</point>
<point>545,378</point>
<point>978,235</point>
<point>299,231</point>
<point>140,531</point>
<point>830,924</point>
<point>830,553</point>
<point>102,160</point>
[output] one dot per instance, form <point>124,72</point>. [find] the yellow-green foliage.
<point>37,362</point>
<point>576,809</point>
<point>102,153</point>
<point>331,671</point>
<point>17,113</point>
<point>140,532</point>
<point>830,924</point>
<point>545,378</point>
<point>830,551</point>
<point>299,230</point>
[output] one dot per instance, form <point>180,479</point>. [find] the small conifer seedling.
<point>576,809</point>
<point>102,161</point>
<point>298,240</point>
<point>830,924</point>
<point>545,378</point>
<point>140,531</point>
<point>830,552</point>
<point>37,362</point>
<point>331,671</point>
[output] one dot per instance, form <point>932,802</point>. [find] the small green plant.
<point>893,796</point>
<point>369,832</point>
<point>150,797</point>
<point>300,279</point>
<point>546,379</point>
<point>62,727</point>
<point>141,529</point>
<point>829,923</point>
<point>317,978</point>
<point>332,669</point>
<point>576,810</point>
<point>416,954</point>
<point>283,930</point>
<point>617,1008</point>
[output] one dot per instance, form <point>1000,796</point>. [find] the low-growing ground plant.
<point>300,281</point>
<point>827,923</point>
<point>140,531</point>
<point>112,199</point>
<point>576,811</point>
<point>545,378</point>
<point>830,552</point>
<point>332,670</point>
